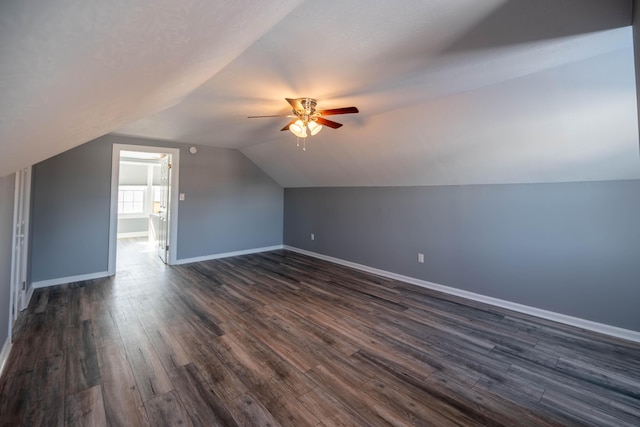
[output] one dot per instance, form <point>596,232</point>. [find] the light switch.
<point>181,196</point>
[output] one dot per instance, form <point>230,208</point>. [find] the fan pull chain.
<point>304,143</point>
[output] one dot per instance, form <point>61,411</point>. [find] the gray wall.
<point>230,205</point>
<point>70,213</point>
<point>6,236</point>
<point>572,248</point>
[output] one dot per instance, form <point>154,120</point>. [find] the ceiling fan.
<point>306,117</point>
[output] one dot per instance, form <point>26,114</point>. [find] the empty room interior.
<point>337,213</point>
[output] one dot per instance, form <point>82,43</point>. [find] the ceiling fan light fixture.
<point>307,121</point>
<point>298,129</point>
<point>314,127</point>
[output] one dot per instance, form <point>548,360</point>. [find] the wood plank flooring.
<point>283,339</point>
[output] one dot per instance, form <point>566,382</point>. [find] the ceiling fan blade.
<point>289,124</point>
<point>297,106</point>
<point>275,115</point>
<point>334,111</point>
<point>329,123</point>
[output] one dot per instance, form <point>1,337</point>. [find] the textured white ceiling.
<point>450,91</point>
<point>73,70</point>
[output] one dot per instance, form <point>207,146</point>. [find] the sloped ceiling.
<point>450,92</point>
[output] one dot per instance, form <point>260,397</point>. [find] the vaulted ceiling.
<point>450,92</point>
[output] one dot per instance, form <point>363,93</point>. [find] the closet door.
<point>21,289</point>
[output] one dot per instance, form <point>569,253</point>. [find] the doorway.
<point>144,211</point>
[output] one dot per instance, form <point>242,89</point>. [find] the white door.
<point>21,289</point>
<point>165,201</point>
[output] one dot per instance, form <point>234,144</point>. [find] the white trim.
<point>173,215</point>
<point>71,279</point>
<point>228,254</point>
<point>133,234</point>
<point>4,354</point>
<point>602,328</point>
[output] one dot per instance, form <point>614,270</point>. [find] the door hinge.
<point>167,247</point>
<point>169,166</point>
<point>13,309</point>
<point>24,286</point>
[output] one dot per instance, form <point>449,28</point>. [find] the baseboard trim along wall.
<point>533,311</point>
<point>70,279</point>
<point>4,354</point>
<point>228,254</point>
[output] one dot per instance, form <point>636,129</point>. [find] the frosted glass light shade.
<point>298,129</point>
<point>314,127</point>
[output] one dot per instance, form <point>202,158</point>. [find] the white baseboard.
<point>133,234</point>
<point>70,279</point>
<point>4,354</point>
<point>614,331</point>
<point>227,254</point>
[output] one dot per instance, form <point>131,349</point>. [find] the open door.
<point>22,290</point>
<point>167,233</point>
<point>165,211</point>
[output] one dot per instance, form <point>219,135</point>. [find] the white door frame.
<point>113,216</point>
<point>21,290</point>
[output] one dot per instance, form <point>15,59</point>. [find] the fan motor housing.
<point>308,105</point>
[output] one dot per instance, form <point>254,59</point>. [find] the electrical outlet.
<point>421,258</point>
<point>313,236</point>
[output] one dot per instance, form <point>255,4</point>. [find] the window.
<point>131,199</point>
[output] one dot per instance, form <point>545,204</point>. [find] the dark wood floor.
<point>282,339</point>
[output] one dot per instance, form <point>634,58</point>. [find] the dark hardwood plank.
<point>325,407</point>
<point>46,404</point>
<point>349,392</point>
<point>214,372</point>
<point>16,395</point>
<point>250,412</point>
<point>204,407</point>
<point>86,408</point>
<point>40,300</point>
<point>288,412</point>
<point>251,371</point>
<point>279,338</point>
<point>79,304</point>
<point>170,352</point>
<point>150,375</point>
<point>122,401</point>
<point>105,330</point>
<point>59,296</point>
<point>82,371</point>
<point>167,410</point>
